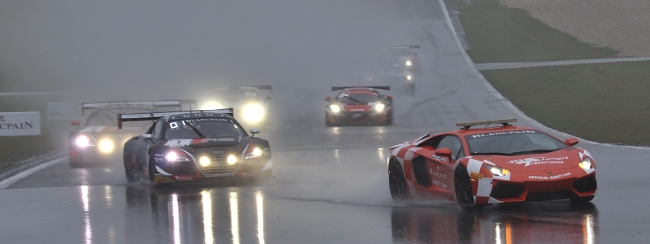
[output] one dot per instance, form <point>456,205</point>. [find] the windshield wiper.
<point>195,130</point>
<point>534,151</point>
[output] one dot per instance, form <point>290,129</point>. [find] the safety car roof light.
<point>504,122</point>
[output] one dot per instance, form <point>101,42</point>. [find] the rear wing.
<point>157,104</point>
<point>157,115</point>
<point>336,88</point>
<point>409,46</point>
<point>504,122</point>
<point>261,87</point>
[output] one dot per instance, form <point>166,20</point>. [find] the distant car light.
<point>106,146</point>
<point>335,108</point>
<point>83,141</point>
<point>253,112</point>
<point>408,77</point>
<point>408,63</point>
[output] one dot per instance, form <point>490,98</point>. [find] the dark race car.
<point>99,141</point>
<point>198,146</point>
<point>250,103</point>
<point>359,105</point>
<point>489,165</point>
<point>405,55</point>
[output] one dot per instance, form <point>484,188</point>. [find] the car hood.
<point>204,142</point>
<point>560,159</point>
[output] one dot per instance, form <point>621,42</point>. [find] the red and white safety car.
<point>491,164</point>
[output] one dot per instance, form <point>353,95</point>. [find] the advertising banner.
<point>20,123</point>
<point>63,111</point>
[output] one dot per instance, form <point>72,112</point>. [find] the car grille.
<point>218,166</point>
<point>507,190</point>
<point>585,184</point>
<point>550,195</point>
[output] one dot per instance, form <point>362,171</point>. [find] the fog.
<point>109,50</point>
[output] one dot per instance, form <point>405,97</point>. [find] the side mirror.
<point>148,136</point>
<point>76,122</point>
<point>254,131</point>
<point>444,152</point>
<point>571,141</point>
<point>328,98</point>
<point>389,96</point>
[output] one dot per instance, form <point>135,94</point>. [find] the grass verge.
<point>598,102</point>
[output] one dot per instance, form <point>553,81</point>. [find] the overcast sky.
<point>114,48</point>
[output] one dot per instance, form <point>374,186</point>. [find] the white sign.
<point>20,123</point>
<point>63,111</point>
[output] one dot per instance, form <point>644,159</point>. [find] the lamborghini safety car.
<point>99,141</point>
<point>491,164</point>
<point>250,103</point>
<point>359,105</point>
<point>194,146</point>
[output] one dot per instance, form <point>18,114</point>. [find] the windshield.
<point>202,128</point>
<point>358,97</point>
<point>512,143</point>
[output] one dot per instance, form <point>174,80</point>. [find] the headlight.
<point>253,112</point>
<point>408,77</point>
<point>232,159</point>
<point>379,107</point>
<point>497,171</point>
<point>335,108</point>
<point>106,146</point>
<point>586,164</point>
<point>254,154</point>
<point>408,63</point>
<point>204,161</point>
<point>174,157</point>
<point>83,141</point>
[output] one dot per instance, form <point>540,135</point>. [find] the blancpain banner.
<point>20,123</point>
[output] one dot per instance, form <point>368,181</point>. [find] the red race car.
<point>491,164</point>
<point>359,105</point>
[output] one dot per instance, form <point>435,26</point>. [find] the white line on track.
<point>7,182</point>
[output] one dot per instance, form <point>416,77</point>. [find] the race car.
<point>99,141</point>
<point>490,165</point>
<point>194,147</point>
<point>390,70</point>
<point>359,105</point>
<point>249,102</point>
<point>405,55</point>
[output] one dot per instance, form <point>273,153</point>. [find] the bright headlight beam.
<point>253,112</point>
<point>379,107</point>
<point>408,77</point>
<point>106,145</point>
<point>497,171</point>
<point>82,141</point>
<point>232,159</point>
<point>204,161</point>
<point>335,108</point>
<point>408,63</point>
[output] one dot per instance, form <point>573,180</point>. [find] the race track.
<point>330,183</point>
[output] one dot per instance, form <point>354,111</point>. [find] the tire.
<point>463,188</point>
<point>397,183</point>
<point>327,121</point>
<point>151,169</point>
<point>128,161</point>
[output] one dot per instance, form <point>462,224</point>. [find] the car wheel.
<point>151,169</point>
<point>463,188</point>
<point>128,161</point>
<point>397,183</point>
<point>327,121</point>
<point>581,200</point>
